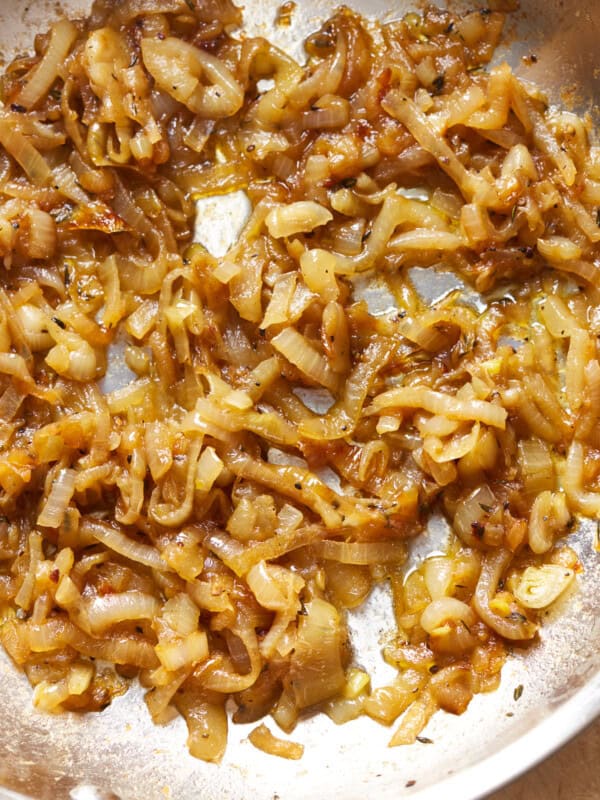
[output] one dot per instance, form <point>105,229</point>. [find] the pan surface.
<point>119,753</point>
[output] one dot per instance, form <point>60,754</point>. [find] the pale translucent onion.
<point>539,587</point>
<point>300,217</point>
<point>445,609</point>
<point>103,611</point>
<point>118,541</point>
<point>53,512</point>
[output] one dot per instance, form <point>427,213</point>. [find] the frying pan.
<point>548,693</point>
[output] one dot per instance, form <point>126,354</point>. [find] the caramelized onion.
<point>118,541</point>
<point>219,437</point>
<point>515,625</point>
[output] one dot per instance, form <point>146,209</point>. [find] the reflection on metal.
<point>117,373</point>
<point>376,294</point>
<point>220,219</point>
<point>432,285</point>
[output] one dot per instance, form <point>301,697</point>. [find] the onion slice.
<point>43,75</point>
<point>53,512</point>
<point>362,553</point>
<point>439,403</point>
<point>515,626</point>
<point>104,611</point>
<point>115,539</point>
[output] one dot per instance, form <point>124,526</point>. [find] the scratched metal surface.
<point>119,754</point>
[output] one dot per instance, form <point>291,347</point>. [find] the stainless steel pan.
<point>121,754</point>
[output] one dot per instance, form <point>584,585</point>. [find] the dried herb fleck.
<point>518,692</point>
